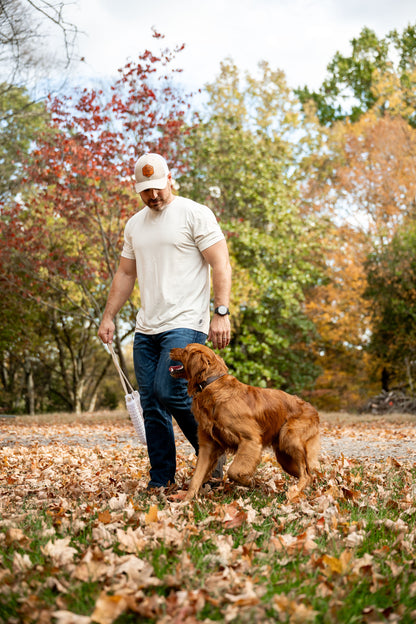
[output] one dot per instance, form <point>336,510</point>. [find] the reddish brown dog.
<point>233,416</point>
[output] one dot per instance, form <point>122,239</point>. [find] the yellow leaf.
<point>108,608</point>
<point>333,563</point>
<point>338,565</point>
<point>151,515</point>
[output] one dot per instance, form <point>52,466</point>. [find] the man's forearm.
<point>221,284</point>
<point>121,289</point>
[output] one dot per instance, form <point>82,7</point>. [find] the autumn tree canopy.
<point>316,198</point>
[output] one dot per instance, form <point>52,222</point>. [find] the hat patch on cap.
<point>148,171</point>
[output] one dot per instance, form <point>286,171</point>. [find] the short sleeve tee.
<point>173,276</point>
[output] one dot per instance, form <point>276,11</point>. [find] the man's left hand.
<point>220,331</point>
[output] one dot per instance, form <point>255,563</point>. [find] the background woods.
<point>315,192</point>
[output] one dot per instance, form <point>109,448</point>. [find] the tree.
<point>362,182</point>
<point>241,160</point>
<point>21,120</point>
<point>375,177</point>
<point>61,240</point>
<point>337,307</point>
<point>26,65</point>
<point>25,27</point>
<point>363,81</point>
<point>391,274</point>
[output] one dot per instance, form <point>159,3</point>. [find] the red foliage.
<point>69,225</point>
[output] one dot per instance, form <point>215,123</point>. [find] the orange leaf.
<point>151,515</point>
<point>104,517</point>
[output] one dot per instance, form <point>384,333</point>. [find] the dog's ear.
<point>197,368</point>
<point>199,365</point>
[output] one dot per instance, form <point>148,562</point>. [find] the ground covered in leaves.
<point>81,541</point>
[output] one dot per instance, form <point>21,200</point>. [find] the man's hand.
<point>106,331</point>
<point>220,331</point>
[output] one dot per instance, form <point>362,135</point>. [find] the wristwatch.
<point>221,310</point>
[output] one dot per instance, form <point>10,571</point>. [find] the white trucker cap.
<point>151,171</point>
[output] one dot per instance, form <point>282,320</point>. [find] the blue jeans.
<point>162,397</point>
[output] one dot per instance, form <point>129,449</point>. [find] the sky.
<point>299,37</point>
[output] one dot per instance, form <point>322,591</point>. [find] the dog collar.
<point>207,382</point>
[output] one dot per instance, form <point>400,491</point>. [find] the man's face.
<point>157,199</point>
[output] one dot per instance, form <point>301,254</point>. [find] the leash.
<point>133,405</point>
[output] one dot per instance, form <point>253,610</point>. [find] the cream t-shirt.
<point>173,276</point>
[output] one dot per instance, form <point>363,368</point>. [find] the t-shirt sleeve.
<point>128,251</point>
<point>206,229</point>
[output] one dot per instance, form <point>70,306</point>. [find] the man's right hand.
<point>106,331</point>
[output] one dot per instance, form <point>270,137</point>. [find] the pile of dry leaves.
<point>81,541</point>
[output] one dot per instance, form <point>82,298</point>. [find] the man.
<point>169,246</point>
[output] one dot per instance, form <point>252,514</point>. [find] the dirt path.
<point>342,434</point>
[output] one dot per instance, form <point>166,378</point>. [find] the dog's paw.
<point>179,496</point>
<point>190,495</point>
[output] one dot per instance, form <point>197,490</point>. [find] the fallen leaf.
<point>151,515</point>
<point>105,517</point>
<point>66,617</point>
<point>59,551</point>
<point>21,563</point>
<point>108,608</point>
<point>338,565</point>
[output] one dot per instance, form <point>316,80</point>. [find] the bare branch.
<point>24,30</point>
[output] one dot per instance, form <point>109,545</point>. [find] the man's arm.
<point>121,289</point>
<point>220,328</point>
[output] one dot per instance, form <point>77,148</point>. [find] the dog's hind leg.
<point>294,454</point>
<point>245,462</point>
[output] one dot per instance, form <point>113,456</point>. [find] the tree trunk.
<point>30,387</point>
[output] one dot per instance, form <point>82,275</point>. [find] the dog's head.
<point>197,364</point>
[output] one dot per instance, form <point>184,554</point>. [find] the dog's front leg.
<point>207,457</point>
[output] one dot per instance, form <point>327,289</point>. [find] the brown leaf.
<point>14,536</point>
<point>239,519</point>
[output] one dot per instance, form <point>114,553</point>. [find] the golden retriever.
<point>233,416</point>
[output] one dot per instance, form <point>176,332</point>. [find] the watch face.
<point>222,310</point>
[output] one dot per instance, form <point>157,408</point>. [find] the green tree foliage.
<point>242,160</point>
<point>391,274</point>
<point>353,84</point>
<point>21,121</point>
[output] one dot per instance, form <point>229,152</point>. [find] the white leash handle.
<point>133,404</point>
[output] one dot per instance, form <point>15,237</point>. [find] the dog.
<point>233,416</point>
